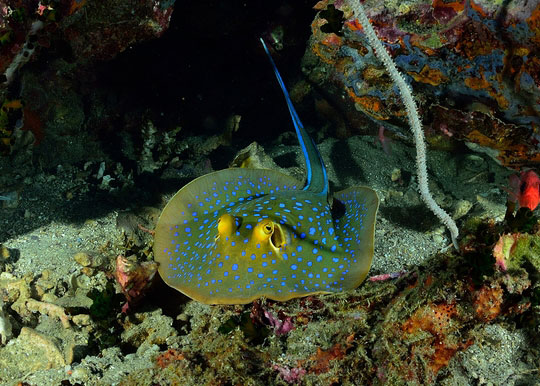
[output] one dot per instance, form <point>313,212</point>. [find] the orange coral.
<point>432,76</point>
<point>434,318</point>
<point>322,358</point>
<point>534,24</point>
<point>370,105</point>
<point>437,320</point>
<point>488,301</point>
<point>457,6</point>
<point>166,358</point>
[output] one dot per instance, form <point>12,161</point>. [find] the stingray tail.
<point>317,180</point>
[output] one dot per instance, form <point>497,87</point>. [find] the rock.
<point>82,320</point>
<point>461,209</point>
<point>152,328</point>
<point>31,351</point>
<point>83,259</point>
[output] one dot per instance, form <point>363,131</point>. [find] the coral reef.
<point>469,63</point>
<point>91,150</point>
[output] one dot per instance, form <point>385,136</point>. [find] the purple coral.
<point>290,375</point>
<point>281,325</point>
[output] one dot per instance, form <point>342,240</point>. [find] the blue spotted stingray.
<point>235,235</point>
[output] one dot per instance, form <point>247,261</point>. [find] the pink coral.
<point>134,278</point>
<point>281,325</point>
<point>290,375</point>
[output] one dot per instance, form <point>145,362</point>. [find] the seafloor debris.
<point>49,309</point>
<point>143,330</point>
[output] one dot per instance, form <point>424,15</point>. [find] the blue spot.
<point>264,263</point>
<point>333,248</point>
<point>260,275</point>
<point>312,231</point>
<point>294,267</point>
<point>299,248</point>
<point>234,267</point>
<point>302,235</point>
<point>188,230</point>
<point>275,271</point>
<point>315,251</point>
<point>319,258</point>
<point>309,263</point>
<point>335,259</point>
<point>225,273</point>
<point>250,269</point>
<point>236,277</point>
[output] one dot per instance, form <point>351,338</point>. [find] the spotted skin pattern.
<point>307,252</point>
<point>232,236</point>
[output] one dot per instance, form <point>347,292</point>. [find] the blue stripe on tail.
<point>317,180</point>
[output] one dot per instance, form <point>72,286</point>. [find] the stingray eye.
<point>227,224</point>
<point>264,230</point>
<point>268,228</point>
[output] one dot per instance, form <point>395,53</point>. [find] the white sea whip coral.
<point>412,115</point>
<point>5,326</point>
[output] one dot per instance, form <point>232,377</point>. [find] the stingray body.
<point>232,236</point>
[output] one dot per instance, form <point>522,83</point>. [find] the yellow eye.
<point>263,230</point>
<point>226,225</point>
<point>268,228</point>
